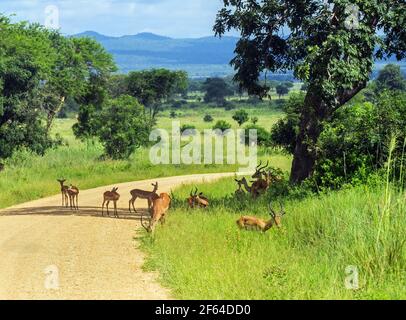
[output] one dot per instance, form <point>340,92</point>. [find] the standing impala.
<point>64,192</point>
<point>111,196</point>
<point>159,211</point>
<point>142,194</point>
<point>247,222</point>
<point>73,193</point>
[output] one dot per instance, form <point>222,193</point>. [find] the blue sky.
<point>174,18</point>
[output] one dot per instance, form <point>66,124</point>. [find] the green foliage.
<point>355,144</point>
<point>241,117</point>
<point>153,87</point>
<point>254,120</point>
<point>222,125</point>
<point>208,118</point>
<point>39,70</point>
<point>328,48</point>
<point>228,105</point>
<point>284,132</point>
<point>263,136</point>
<point>390,78</point>
<point>306,259</point>
<point>123,127</point>
<point>188,128</point>
<point>216,89</point>
<point>282,90</point>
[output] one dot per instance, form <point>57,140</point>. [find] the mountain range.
<point>200,57</point>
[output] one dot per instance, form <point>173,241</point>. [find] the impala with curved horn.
<point>248,222</point>
<point>260,171</point>
<point>197,199</point>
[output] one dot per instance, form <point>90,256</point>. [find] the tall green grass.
<point>203,255</point>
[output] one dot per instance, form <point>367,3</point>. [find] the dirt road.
<point>47,252</point>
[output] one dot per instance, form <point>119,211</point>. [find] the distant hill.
<point>201,57</point>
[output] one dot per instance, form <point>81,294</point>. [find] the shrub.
<point>227,105</point>
<point>222,125</point>
<point>173,114</point>
<point>263,136</point>
<point>124,127</point>
<point>208,118</point>
<point>188,127</point>
<point>241,117</point>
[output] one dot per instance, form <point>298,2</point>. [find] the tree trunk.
<point>305,155</point>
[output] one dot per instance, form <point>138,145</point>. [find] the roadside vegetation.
<point>201,254</point>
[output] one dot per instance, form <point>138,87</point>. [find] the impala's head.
<point>277,216</point>
<point>260,170</point>
<point>61,181</point>
<point>192,198</point>
<point>155,185</point>
<point>114,190</point>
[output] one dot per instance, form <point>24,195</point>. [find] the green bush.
<point>188,127</point>
<point>222,125</point>
<point>124,128</point>
<point>241,117</point>
<point>263,136</point>
<point>208,118</point>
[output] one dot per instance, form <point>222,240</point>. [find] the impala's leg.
<point>115,209</point>
<point>66,200</point>
<point>70,202</point>
<point>62,199</point>
<point>133,201</point>
<point>129,205</point>
<point>108,212</point>
<point>77,202</point>
<point>104,202</point>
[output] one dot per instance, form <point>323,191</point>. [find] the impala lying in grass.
<point>248,222</point>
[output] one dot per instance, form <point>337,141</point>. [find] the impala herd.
<point>159,204</point>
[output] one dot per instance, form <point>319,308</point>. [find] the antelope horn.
<point>282,208</point>
<point>196,191</point>
<point>260,164</point>
<point>264,167</point>
<point>273,214</point>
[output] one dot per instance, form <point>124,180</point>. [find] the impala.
<point>159,211</point>
<point>148,195</point>
<point>111,196</point>
<point>197,200</point>
<point>73,193</point>
<point>247,222</point>
<point>242,183</point>
<point>64,192</point>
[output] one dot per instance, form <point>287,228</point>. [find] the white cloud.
<point>176,18</point>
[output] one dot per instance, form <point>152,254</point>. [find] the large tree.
<point>331,45</point>
<point>39,69</point>
<point>154,87</point>
<point>390,78</point>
